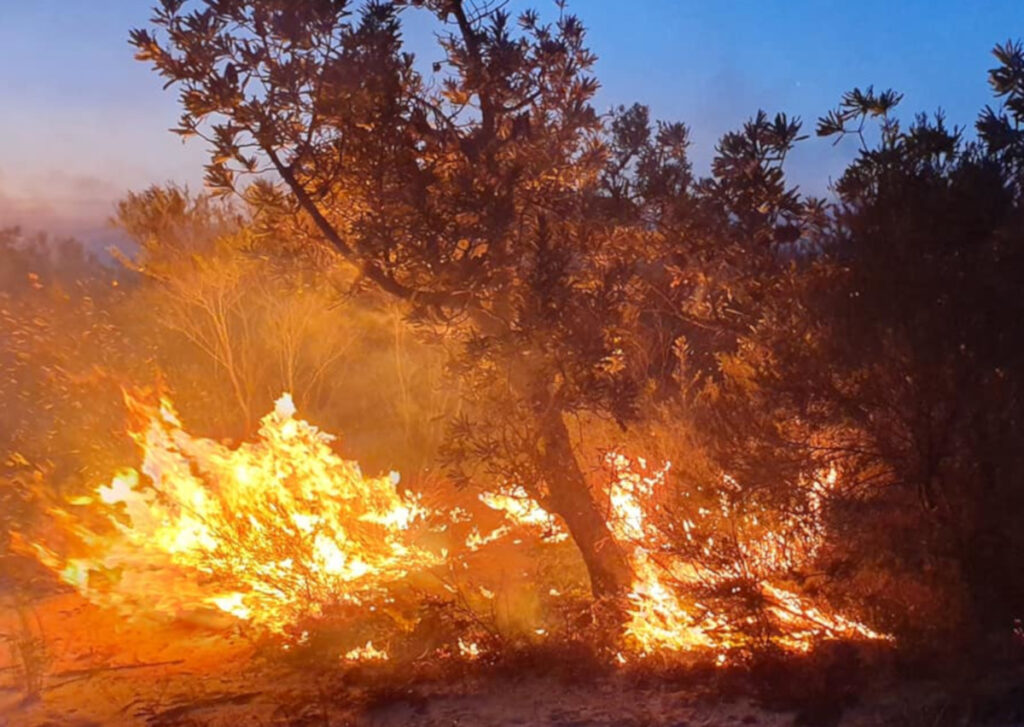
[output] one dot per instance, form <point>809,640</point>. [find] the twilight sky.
<point>81,123</point>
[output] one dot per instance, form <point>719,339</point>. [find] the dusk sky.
<point>83,123</point>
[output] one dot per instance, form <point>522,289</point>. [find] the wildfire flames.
<point>281,528</point>
<point>270,531</point>
<point>661,620</point>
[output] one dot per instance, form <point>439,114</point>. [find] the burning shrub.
<point>282,533</point>
<point>711,571</point>
<point>272,531</point>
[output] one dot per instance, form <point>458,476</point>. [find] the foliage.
<point>892,358</point>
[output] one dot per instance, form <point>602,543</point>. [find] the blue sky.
<point>82,123</point>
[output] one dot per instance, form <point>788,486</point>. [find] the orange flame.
<point>281,528</point>
<point>659,618</point>
<point>269,532</point>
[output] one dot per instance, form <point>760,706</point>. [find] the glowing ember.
<point>469,650</point>
<point>367,652</point>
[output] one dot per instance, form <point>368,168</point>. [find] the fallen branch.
<point>117,667</point>
<point>77,675</point>
<point>172,715</point>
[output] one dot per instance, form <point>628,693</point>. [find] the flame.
<point>367,652</point>
<point>270,531</point>
<point>280,529</point>
<point>660,620</point>
<point>657,618</point>
<point>523,510</point>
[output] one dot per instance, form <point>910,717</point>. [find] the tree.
<point>257,323</point>
<point>236,327</point>
<point>892,356</point>
<point>460,194</point>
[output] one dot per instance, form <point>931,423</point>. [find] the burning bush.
<point>272,531</point>
<point>282,533</point>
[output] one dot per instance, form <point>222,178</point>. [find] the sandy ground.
<point>101,669</point>
<point>173,696</point>
<point>540,702</point>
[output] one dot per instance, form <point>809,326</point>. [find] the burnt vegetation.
<point>478,278</point>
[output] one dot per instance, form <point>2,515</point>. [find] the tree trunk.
<point>571,498</point>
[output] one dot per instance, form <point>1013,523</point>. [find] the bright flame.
<point>281,527</point>
<point>659,619</point>
<point>367,652</point>
<point>521,509</point>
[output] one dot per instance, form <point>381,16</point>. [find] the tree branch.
<point>367,268</point>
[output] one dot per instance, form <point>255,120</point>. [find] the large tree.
<point>461,191</point>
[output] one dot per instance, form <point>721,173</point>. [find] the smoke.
<point>62,205</point>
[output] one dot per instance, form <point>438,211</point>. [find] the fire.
<point>280,529</point>
<point>367,652</point>
<point>657,618</point>
<point>270,531</point>
<point>660,620</point>
<point>522,510</point>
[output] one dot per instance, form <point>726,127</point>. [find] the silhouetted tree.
<point>893,355</point>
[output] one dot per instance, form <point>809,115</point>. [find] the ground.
<point>102,669</point>
<point>107,671</point>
